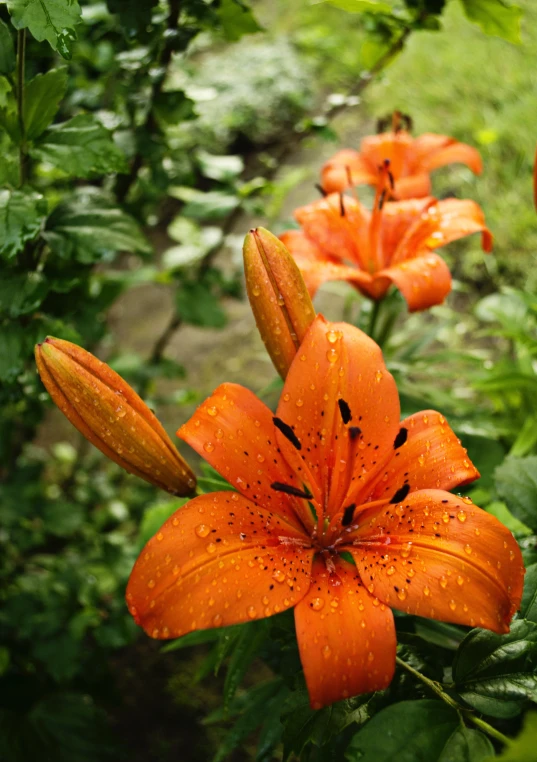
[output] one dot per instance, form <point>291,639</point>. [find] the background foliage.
<point>133,136</point>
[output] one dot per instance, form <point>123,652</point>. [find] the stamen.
<point>345,410</point>
<point>288,432</point>
<point>401,493</point>
<point>320,189</point>
<point>401,438</point>
<point>354,432</point>
<point>288,489</point>
<point>348,515</point>
<point>341,205</point>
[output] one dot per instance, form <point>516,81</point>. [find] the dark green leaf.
<point>528,607</point>
<point>495,17</point>
<point>497,674</point>
<point>21,216</point>
<point>51,20</point>
<point>205,206</point>
<point>80,147</point>
<point>196,638</point>
<point>440,633</point>
<point>7,51</point>
<point>63,518</point>
<point>21,294</point>
<point>417,731</point>
<point>134,16</point>
<point>246,649</point>
<point>236,19</point>
<point>523,748</point>
<point>485,454</point>
<point>173,107</point>
<point>88,226</point>
<point>516,482</point>
<point>197,305</point>
<point>42,96</point>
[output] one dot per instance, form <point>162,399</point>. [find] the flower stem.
<point>468,715</point>
<point>373,318</point>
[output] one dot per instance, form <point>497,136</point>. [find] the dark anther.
<point>401,493</point>
<point>348,515</point>
<point>349,174</point>
<point>290,490</point>
<point>345,410</point>
<point>392,181</point>
<point>401,438</point>
<point>387,163</point>
<point>382,199</point>
<point>288,432</point>
<point>320,189</point>
<point>341,205</point>
<point>354,432</point>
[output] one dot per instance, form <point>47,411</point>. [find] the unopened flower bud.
<point>280,301</point>
<point>109,413</point>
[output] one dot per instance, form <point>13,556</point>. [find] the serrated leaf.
<point>528,607</point>
<point>417,731</point>
<point>523,748</point>
<point>51,20</point>
<point>361,6</point>
<point>81,147</point>
<point>7,50</point>
<point>88,226</point>
<point>516,483</point>
<point>21,216</point>
<point>42,96</point>
<point>495,17</point>
<point>497,674</point>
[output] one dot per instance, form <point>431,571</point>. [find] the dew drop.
<point>468,549</point>
<point>217,620</point>
<point>252,613</point>
<point>326,651</point>
<point>299,403</point>
<point>332,356</point>
<point>461,515</point>
<point>443,582</point>
<point>219,434</point>
<point>401,594</point>
<point>208,447</point>
<point>452,605</point>
<point>378,376</point>
<point>278,575</point>
<point>460,580</point>
<point>202,530</point>
<point>211,548</point>
<point>151,583</point>
<point>426,591</point>
<point>332,336</point>
<point>390,570</point>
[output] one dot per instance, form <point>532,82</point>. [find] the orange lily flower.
<point>333,473</point>
<point>341,240</point>
<point>412,159</point>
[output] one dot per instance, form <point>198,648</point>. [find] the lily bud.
<point>109,413</point>
<point>279,298</point>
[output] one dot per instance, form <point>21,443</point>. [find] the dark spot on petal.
<point>401,438</point>
<point>345,410</point>
<point>348,514</point>
<point>401,493</point>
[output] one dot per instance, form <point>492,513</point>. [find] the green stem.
<point>373,318</point>
<point>21,53</point>
<point>469,715</point>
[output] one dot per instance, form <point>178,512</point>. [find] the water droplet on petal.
<point>326,651</point>
<point>252,613</point>
<point>202,530</point>
<point>461,515</point>
<point>208,447</point>
<point>217,620</point>
<point>278,575</point>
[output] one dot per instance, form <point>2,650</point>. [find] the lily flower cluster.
<point>339,509</point>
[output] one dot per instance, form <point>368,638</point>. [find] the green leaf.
<point>62,518</point>
<point>42,96</point>
<point>516,483</point>
<point>196,638</point>
<point>195,242</point>
<point>497,674</point>
<point>7,51</point>
<point>495,17</point>
<point>251,638</point>
<point>133,16</point>
<point>80,147</point>
<point>196,304</point>
<point>88,226</point>
<point>13,352</point>
<point>21,293</point>
<point>21,216</point>
<point>51,20</point>
<point>361,6</point>
<point>417,731</point>
<point>485,454</point>
<point>205,206</point>
<point>221,168</point>
<point>503,514</point>
<point>523,748</point>
<point>236,20</point>
<point>528,607</point>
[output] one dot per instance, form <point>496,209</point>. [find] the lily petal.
<point>346,638</point>
<point>436,556</point>
<point>343,406</point>
<point>413,186</point>
<point>217,561</point>
<point>425,452</point>
<point>394,146</point>
<point>344,166</point>
<point>424,281</point>
<point>317,269</point>
<point>234,432</point>
<point>434,151</point>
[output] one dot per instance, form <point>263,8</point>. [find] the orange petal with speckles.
<point>424,281</point>
<point>338,365</point>
<point>426,454</point>
<point>394,146</point>
<point>234,432</point>
<point>346,638</point>
<point>342,236</point>
<point>217,561</point>
<point>437,556</point>
<point>317,269</point>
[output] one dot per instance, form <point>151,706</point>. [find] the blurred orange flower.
<point>412,159</point>
<point>341,240</point>
<point>333,476</point>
